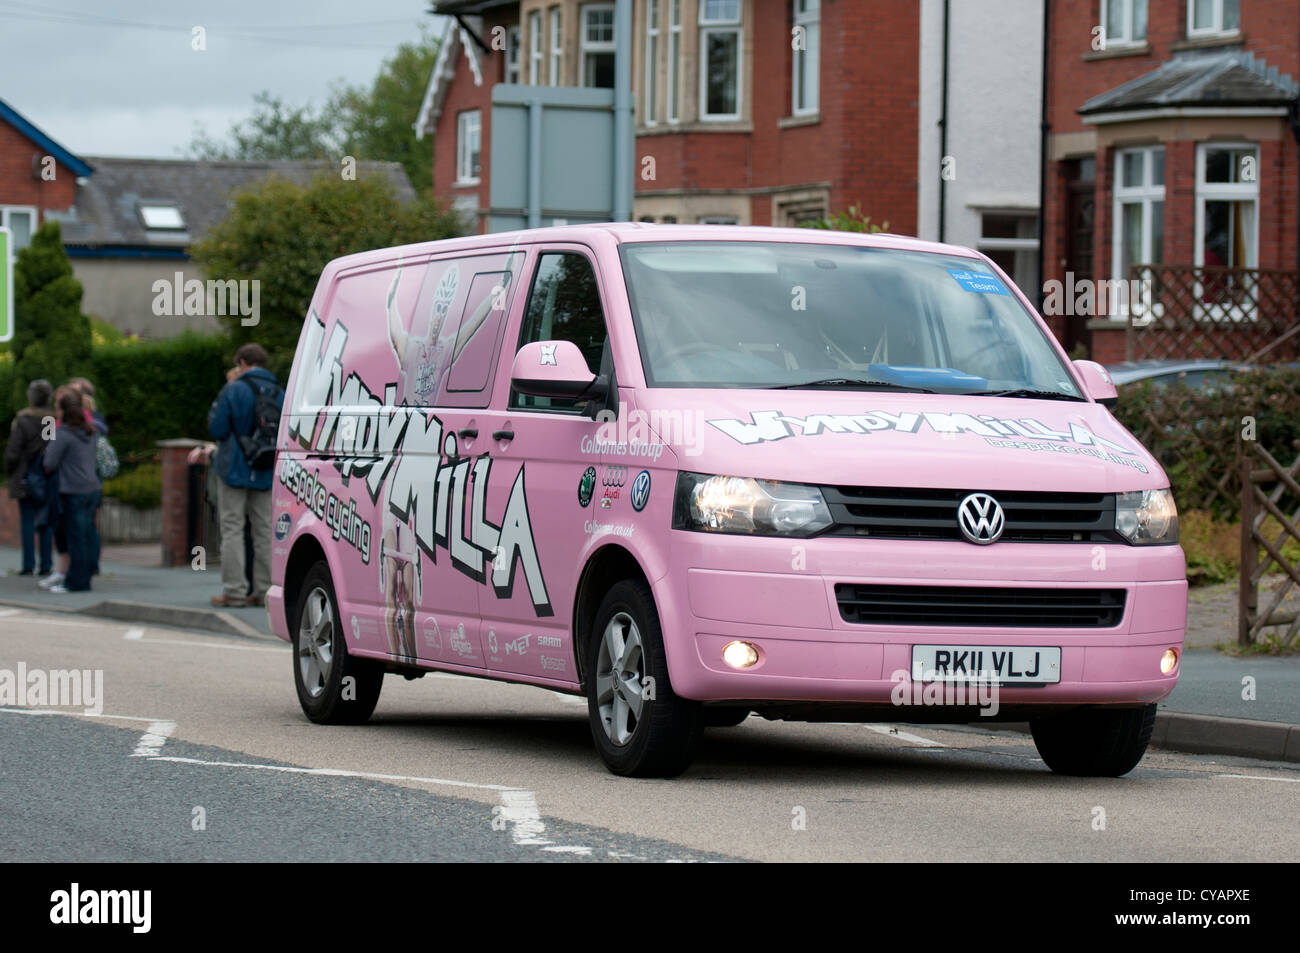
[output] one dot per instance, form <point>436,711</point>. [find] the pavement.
<point>1238,706</point>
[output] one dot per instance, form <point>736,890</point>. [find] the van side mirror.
<point>555,369</point>
<point>1097,383</point>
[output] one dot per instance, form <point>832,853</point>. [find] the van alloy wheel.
<point>316,642</point>
<point>619,675</point>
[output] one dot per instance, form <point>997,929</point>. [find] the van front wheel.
<point>640,727</point>
<point>1094,742</point>
<point>334,688</point>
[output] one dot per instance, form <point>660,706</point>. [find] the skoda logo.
<point>981,518</point>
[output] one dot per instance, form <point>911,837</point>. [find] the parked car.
<point>697,472</point>
<point>1198,375</point>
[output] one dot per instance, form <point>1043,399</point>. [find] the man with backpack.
<point>28,436</point>
<point>245,420</point>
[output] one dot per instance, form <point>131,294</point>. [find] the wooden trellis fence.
<point>1258,505</point>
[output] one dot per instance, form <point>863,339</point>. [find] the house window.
<point>1124,22</point>
<point>512,54</point>
<point>598,45</point>
<point>719,59</point>
<point>1010,238</point>
<point>535,47</point>
<point>674,55</point>
<point>1227,202</point>
<point>557,46</point>
<point>467,147</point>
<point>807,57</point>
<point>718,220</point>
<point>21,222</point>
<point>1139,229</point>
<point>651,60</point>
<point>1212,17</point>
<point>161,216</point>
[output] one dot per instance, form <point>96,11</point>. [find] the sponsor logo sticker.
<point>640,494</point>
<point>586,486</point>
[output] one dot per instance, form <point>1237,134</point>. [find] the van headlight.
<point>729,504</point>
<point>1147,516</point>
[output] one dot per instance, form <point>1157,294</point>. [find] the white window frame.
<point>1224,192</point>
<point>1115,38</point>
<point>1145,195</point>
<point>810,19</point>
<point>7,210</point>
<point>593,46</point>
<point>674,60</point>
<point>1216,27</point>
<point>557,45</point>
<point>512,54</point>
<point>707,28</point>
<point>987,244</point>
<point>469,122</point>
<point>535,48</point>
<point>650,100</point>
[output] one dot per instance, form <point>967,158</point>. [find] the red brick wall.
<point>19,187</point>
<point>9,520</point>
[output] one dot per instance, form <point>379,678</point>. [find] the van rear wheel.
<point>1094,742</point>
<point>334,688</point>
<point>640,727</point>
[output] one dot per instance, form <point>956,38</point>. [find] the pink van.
<point>696,472</point>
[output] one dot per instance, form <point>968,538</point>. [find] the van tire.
<point>661,742</point>
<point>319,675</point>
<point>1094,742</point>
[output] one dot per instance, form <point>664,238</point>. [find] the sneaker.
<point>53,579</point>
<point>59,587</point>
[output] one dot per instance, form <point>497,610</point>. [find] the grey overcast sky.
<point>122,79</point>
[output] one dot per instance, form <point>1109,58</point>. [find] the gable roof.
<point>1225,79</point>
<point>107,209</point>
<point>41,140</point>
<point>454,38</point>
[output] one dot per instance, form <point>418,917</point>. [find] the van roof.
<point>628,232</point>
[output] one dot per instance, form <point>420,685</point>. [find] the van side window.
<point>564,305</point>
<point>476,337</point>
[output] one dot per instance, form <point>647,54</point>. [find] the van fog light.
<point>739,654</point>
<point>1168,661</point>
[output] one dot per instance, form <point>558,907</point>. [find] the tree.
<point>380,123</point>
<point>847,220</point>
<point>274,131</point>
<point>282,235</point>
<point>51,335</point>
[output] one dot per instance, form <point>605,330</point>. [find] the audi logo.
<point>614,476</point>
<point>980,519</point>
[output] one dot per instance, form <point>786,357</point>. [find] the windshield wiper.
<point>1024,392</point>
<point>862,383</point>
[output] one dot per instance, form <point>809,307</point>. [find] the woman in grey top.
<point>71,454</point>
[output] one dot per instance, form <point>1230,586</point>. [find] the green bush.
<point>140,487</point>
<point>1199,435</point>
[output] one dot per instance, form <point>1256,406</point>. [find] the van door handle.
<point>468,433</point>
<point>503,435</point>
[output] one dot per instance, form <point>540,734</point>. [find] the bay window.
<point>1139,210</point>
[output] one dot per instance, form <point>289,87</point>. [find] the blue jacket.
<point>232,414</point>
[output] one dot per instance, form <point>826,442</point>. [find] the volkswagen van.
<point>698,473</point>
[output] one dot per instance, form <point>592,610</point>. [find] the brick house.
<point>38,177</point>
<point>1173,131</point>
<point>745,129</point>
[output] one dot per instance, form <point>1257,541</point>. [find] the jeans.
<point>27,511</point>
<point>79,523</point>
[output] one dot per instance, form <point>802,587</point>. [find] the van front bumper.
<point>779,594</point>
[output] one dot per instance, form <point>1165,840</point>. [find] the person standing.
<point>71,454</point>
<point>87,391</point>
<point>27,438</point>
<point>246,409</point>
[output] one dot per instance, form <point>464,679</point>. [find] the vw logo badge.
<point>641,490</point>
<point>981,519</point>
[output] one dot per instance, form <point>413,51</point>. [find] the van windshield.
<point>786,315</point>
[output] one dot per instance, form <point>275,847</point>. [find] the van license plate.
<point>986,663</point>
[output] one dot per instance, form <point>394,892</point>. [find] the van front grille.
<point>1031,517</point>
<point>970,606</point>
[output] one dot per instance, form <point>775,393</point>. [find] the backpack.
<point>37,482</point>
<point>106,465</point>
<point>259,446</point>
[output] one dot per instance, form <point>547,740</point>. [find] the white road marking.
<point>526,824</point>
<point>212,645</point>
<point>1257,777</point>
<point>907,736</point>
<point>151,742</point>
<point>9,612</point>
<point>133,634</point>
<point>75,714</point>
<point>43,619</point>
